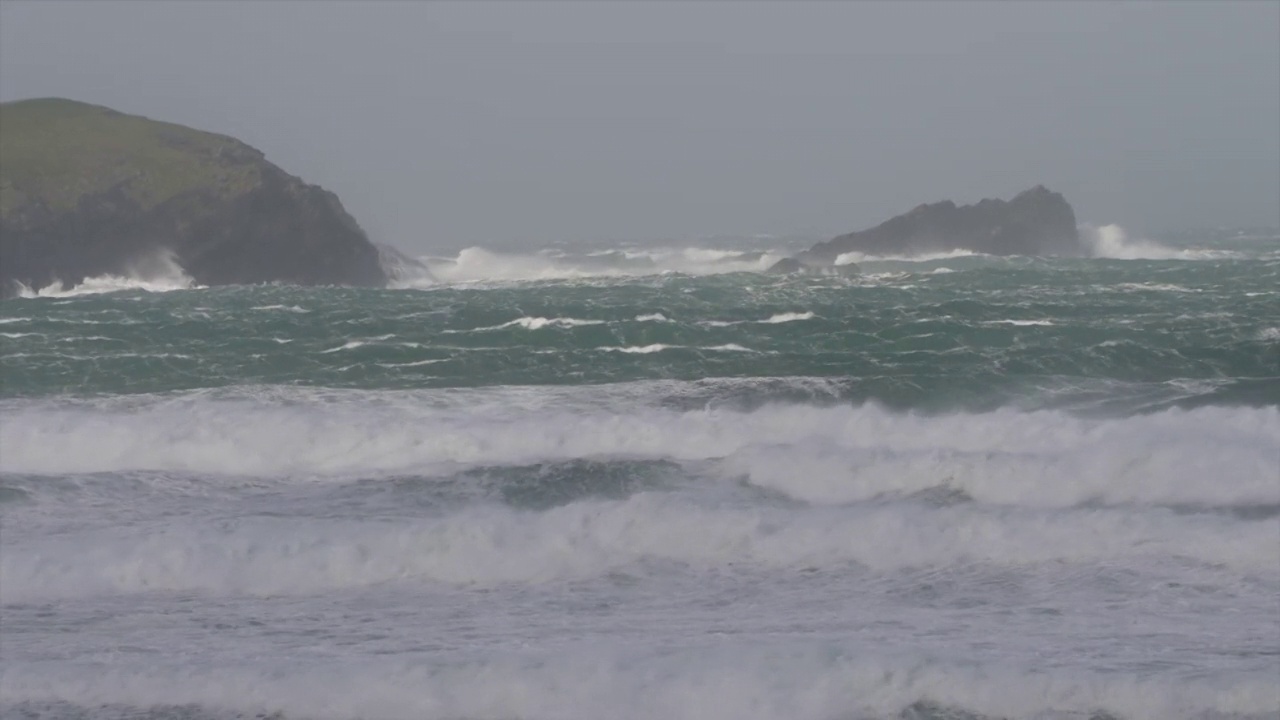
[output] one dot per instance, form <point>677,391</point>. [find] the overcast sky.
<point>442,125</point>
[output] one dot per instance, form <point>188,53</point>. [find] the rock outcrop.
<point>87,191</point>
<point>1035,222</point>
<point>400,267</point>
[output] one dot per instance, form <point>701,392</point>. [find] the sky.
<point>442,125</point>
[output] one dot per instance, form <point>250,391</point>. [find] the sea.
<point>648,481</point>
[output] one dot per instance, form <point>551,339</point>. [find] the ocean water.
<point>651,483</point>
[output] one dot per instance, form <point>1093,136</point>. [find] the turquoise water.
<point>964,333</point>
<point>651,483</point>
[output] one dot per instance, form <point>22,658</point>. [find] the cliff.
<point>1035,222</point>
<point>86,191</point>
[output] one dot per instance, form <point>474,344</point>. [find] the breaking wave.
<point>1099,241</point>
<point>821,455</point>
<point>1114,243</point>
<point>158,272</point>
<point>492,545</point>
<point>479,264</point>
<point>858,257</point>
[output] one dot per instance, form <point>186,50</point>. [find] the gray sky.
<point>444,124</point>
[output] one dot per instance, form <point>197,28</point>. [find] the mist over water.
<point>636,481</point>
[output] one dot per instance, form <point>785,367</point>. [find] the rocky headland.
<point>1035,222</point>
<point>88,191</point>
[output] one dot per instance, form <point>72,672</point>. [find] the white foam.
<point>1105,241</point>
<point>6,321</point>
<point>858,257</point>
<point>418,363</point>
<point>158,272</point>
<point>1112,241</point>
<point>476,264</point>
<point>1157,287</point>
<point>774,319</point>
<point>1269,334</point>
<point>285,308</point>
<point>493,545</point>
<point>788,317</point>
<point>798,681</point>
<point>1020,323</point>
<point>349,345</point>
<point>535,323</point>
<point>652,317</point>
<point>1209,455</point>
<point>638,349</point>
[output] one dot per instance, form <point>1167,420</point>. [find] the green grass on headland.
<point>61,150</point>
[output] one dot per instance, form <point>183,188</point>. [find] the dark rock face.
<point>284,231</point>
<point>270,227</point>
<point>400,267</point>
<point>1035,222</point>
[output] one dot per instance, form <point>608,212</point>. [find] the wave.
<point>492,545</point>
<point>805,682</point>
<point>401,269</point>
<point>349,345</point>
<point>858,257</point>
<point>1100,241</point>
<point>160,271</point>
<point>1216,456</point>
<point>536,323</point>
<point>157,272</point>
<point>638,349</point>
<point>1113,242</point>
<point>284,308</point>
<point>788,317</point>
<point>775,319</point>
<point>659,347</point>
<point>476,264</point>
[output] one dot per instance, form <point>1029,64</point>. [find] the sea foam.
<point>1209,455</point>
<point>157,272</point>
<point>477,264</point>
<point>804,682</point>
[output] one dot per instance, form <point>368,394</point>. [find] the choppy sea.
<point>643,482</point>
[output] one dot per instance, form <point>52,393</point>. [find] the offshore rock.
<point>1035,222</point>
<point>88,191</point>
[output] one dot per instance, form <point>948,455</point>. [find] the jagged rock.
<point>1035,222</point>
<point>401,267</point>
<point>86,191</point>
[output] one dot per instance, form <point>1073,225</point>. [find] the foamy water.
<point>160,272</point>
<point>643,484</point>
<point>864,533</point>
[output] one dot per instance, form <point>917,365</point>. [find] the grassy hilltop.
<point>86,190</point>
<point>61,150</point>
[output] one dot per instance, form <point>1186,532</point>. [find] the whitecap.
<point>788,317</point>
